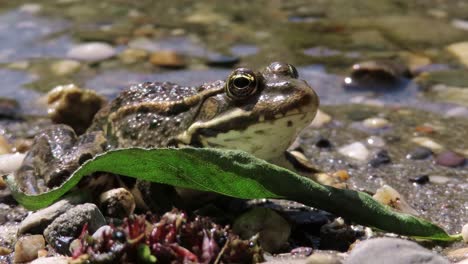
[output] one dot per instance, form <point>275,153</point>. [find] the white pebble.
<point>321,119</point>
<point>65,67</point>
<point>427,142</point>
<point>376,122</point>
<point>91,52</point>
<point>30,8</point>
<point>355,150</point>
<point>10,162</point>
<point>375,141</point>
<point>465,233</point>
<point>437,179</point>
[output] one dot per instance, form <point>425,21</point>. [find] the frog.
<point>260,112</point>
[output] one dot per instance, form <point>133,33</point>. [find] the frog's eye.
<point>241,84</point>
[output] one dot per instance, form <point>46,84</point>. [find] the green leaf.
<point>238,174</point>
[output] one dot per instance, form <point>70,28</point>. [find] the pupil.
<point>241,82</point>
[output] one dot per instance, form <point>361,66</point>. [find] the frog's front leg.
<point>55,154</point>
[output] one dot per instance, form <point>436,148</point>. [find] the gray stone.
<point>392,250</point>
<point>36,222</point>
<point>70,224</point>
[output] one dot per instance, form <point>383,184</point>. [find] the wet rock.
<point>374,74</point>
<point>336,235</point>
<point>464,233</point>
<point>388,196</point>
<point>320,119</point>
<point>167,58</point>
<point>118,203</point>
<point>422,179</point>
<point>55,260</point>
<point>9,108</point>
<point>73,106</point>
<point>460,50</point>
<point>26,248</point>
<point>375,141</point>
<point>450,159</point>
<point>323,143</point>
<point>375,123</point>
<point>92,52</point>
<point>39,220</point>
<point>217,60</point>
<point>381,157</point>
<point>325,257</point>
<point>65,67</point>
<point>4,251</point>
<point>427,143</point>
<point>437,179</point>
<point>132,56</point>
<point>272,229</point>
<point>392,250</point>
<point>300,161</point>
<point>419,153</point>
<point>10,162</point>
<point>5,147</point>
<point>356,150</point>
<point>69,225</point>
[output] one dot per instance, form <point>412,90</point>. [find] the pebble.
<point>371,74</point>
<point>458,254</point>
<point>92,52</point>
<point>321,119</point>
<point>428,143</point>
<point>381,157</point>
<point>4,145</point>
<point>460,50</point>
<point>70,224</point>
<point>464,233</point>
<point>272,229</point>
<point>217,60</point>
<point>9,108</point>
<point>324,257</point>
<point>323,143</point>
<point>167,58</point>
<point>439,179</point>
<point>450,159</point>
<point>422,179</point>
<point>388,196</point>
<point>39,220</point>
<point>392,250</point>
<point>375,141</point>
<point>65,67</point>
<point>419,153</point>
<point>132,56</point>
<point>10,162</point>
<point>26,248</point>
<point>54,260</point>
<point>118,203</point>
<point>30,8</point>
<point>4,251</point>
<point>356,150</point>
<point>376,123</point>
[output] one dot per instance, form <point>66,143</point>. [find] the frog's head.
<point>258,112</point>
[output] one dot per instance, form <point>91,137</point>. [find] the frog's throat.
<point>265,139</point>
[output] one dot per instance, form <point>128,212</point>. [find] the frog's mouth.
<point>265,137</point>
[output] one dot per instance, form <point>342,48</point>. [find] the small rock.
<point>9,108</point>
<point>392,250</point>
<point>30,8</point>
<point>217,60</point>
<point>272,229</point>
<point>132,56</point>
<point>4,251</point>
<point>375,141</point>
<point>439,179</point>
<point>70,224</point>
<point>450,159</point>
<point>92,52</point>
<point>26,248</point>
<point>321,119</point>
<point>325,257</point>
<point>55,260</point>
<point>39,220</point>
<point>8,234</point>
<point>65,67</point>
<point>73,106</point>
<point>5,147</point>
<point>464,233</point>
<point>458,254</point>
<point>118,203</point>
<point>419,153</point>
<point>167,58</point>
<point>372,74</point>
<point>376,123</point>
<point>423,179</point>
<point>355,150</point>
<point>388,196</point>
<point>380,158</point>
<point>10,162</point>
<point>428,143</point>
<point>460,50</point>
<point>323,143</point>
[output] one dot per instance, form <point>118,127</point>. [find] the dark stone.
<point>380,158</point>
<point>450,159</point>
<point>419,153</point>
<point>323,143</point>
<point>422,179</point>
<point>222,61</point>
